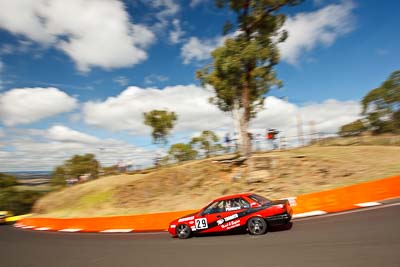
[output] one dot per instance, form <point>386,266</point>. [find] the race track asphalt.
<point>367,238</point>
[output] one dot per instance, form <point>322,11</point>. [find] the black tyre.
<point>183,231</point>
<point>257,226</point>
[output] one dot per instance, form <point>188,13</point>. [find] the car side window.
<point>244,204</point>
<point>236,204</point>
<point>214,208</point>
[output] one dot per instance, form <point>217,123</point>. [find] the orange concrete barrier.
<point>340,199</point>
<point>143,222</point>
<point>345,198</point>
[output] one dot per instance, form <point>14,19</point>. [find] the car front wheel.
<point>183,231</point>
<point>257,226</point>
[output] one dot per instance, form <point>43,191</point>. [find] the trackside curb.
<point>357,196</point>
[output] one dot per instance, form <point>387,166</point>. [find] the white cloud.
<point>326,116</point>
<point>59,143</point>
<point>175,36</point>
<point>122,80</point>
<point>199,50</point>
<point>94,33</point>
<point>27,105</point>
<point>65,134</point>
<point>195,3</point>
<point>153,78</point>
<point>124,112</point>
<point>308,30</point>
<point>1,78</point>
<point>166,10</point>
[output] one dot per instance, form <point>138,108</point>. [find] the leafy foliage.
<point>242,69</point>
<point>352,129</point>
<point>161,122</point>
<point>381,108</point>
<point>7,180</point>
<point>58,177</point>
<point>74,167</point>
<point>207,141</point>
<point>382,105</point>
<point>18,202</point>
<point>182,152</point>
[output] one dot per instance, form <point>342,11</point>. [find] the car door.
<point>220,216</point>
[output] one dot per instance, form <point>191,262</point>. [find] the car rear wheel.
<point>183,231</point>
<point>257,226</point>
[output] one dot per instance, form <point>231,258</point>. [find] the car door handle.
<point>218,216</point>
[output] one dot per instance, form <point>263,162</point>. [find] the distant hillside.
<point>193,184</point>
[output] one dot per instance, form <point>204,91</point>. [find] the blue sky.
<point>76,76</point>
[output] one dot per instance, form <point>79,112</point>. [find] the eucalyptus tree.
<point>242,71</point>
<point>161,122</point>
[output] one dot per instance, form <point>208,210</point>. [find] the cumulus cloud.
<point>94,33</point>
<point>194,3</point>
<point>153,78</point>
<point>27,105</point>
<point>166,10</point>
<point>325,117</point>
<point>35,149</point>
<point>308,30</point>
<point>65,134</point>
<point>199,50</point>
<point>121,80</point>
<point>175,36</point>
<point>124,112</point>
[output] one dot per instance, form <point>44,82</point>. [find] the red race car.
<point>250,211</point>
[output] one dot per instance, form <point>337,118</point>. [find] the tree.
<point>14,200</point>
<point>7,180</point>
<point>182,152</point>
<point>161,122</point>
<point>242,69</point>
<point>382,105</point>
<point>74,167</point>
<point>354,128</point>
<point>207,141</point>
<point>58,177</point>
<point>82,164</point>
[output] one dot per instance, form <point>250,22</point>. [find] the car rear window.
<point>260,200</point>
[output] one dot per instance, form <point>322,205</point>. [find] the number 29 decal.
<point>201,223</point>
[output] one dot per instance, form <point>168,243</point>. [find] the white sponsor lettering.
<point>230,225</point>
<point>186,219</point>
<point>233,208</point>
<point>220,221</point>
<point>229,218</point>
<point>172,226</point>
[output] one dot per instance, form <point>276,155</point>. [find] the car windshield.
<point>260,200</point>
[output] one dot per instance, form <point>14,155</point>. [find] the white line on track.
<point>308,214</point>
<point>70,230</point>
<point>42,229</point>
<point>368,204</point>
<point>117,231</point>
<point>347,212</point>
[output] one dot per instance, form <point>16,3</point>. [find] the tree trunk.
<point>241,127</point>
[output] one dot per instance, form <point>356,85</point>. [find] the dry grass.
<point>192,185</point>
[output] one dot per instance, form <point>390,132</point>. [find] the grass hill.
<point>193,184</point>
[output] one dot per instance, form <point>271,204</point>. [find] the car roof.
<point>232,196</point>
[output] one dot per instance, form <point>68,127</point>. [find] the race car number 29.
<point>201,223</point>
